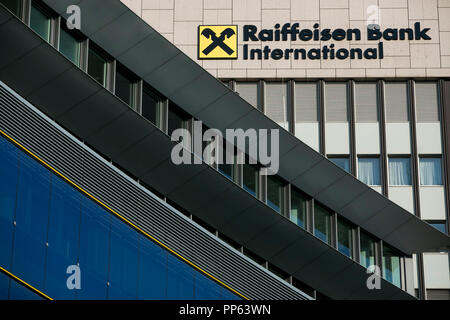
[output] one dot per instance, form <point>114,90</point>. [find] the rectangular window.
<point>343,163</point>
<point>40,21</point>
<point>322,224</point>
<point>367,250</point>
<point>151,104</point>
<point>299,205</point>
<point>177,119</point>
<point>275,193</point>
<point>391,265</point>
<point>125,86</point>
<point>14,6</point>
<point>399,171</point>
<point>366,102</point>
<point>249,92</point>
<point>306,106</point>
<point>225,167</point>
<point>97,64</point>
<point>250,179</point>
<point>336,107</point>
<point>369,171</point>
<point>276,103</point>
<point>430,171</point>
<point>396,103</point>
<point>345,237</point>
<point>427,107</point>
<point>69,46</point>
<point>439,225</point>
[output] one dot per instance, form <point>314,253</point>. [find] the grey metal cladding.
<point>52,144</point>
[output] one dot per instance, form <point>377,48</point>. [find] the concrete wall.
<point>178,20</point>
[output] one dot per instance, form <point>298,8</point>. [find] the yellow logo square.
<point>217,42</point>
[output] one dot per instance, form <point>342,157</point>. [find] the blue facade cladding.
<point>57,226</point>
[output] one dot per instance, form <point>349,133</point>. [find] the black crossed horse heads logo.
<point>218,41</point>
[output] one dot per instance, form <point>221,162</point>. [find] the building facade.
<point>88,182</point>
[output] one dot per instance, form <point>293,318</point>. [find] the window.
<point>322,224</point>
<point>69,46</point>
<point>276,103</point>
<point>299,205</point>
<point>391,265</point>
<point>306,106</point>
<point>14,6</point>
<point>275,193</point>
<point>224,167</point>
<point>336,108</point>
<point>343,163</point>
<point>40,21</point>
<point>427,107</point>
<point>125,86</point>
<point>249,92</point>
<point>440,225</point>
<point>250,178</point>
<point>430,171</point>
<point>399,171</point>
<point>345,237</point>
<point>177,119</point>
<point>366,102</point>
<point>395,102</point>
<point>369,171</point>
<point>97,65</point>
<point>367,250</point>
<point>151,105</point>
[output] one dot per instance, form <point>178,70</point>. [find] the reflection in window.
<point>69,46</point>
<point>430,171</point>
<point>345,237</point>
<point>299,205</point>
<point>13,5</point>
<point>151,104</point>
<point>369,171</point>
<point>391,265</point>
<point>275,193</point>
<point>367,250</point>
<point>250,179</point>
<point>441,226</point>
<point>399,171</point>
<point>125,86</point>
<point>40,22</point>
<point>97,66</point>
<point>177,119</point>
<point>343,163</point>
<point>322,223</point>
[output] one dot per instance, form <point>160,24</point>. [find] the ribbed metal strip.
<point>98,177</point>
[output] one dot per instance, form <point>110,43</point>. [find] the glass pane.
<point>299,205</point>
<point>306,106</point>
<point>13,5</point>
<point>97,66</point>
<point>226,170</point>
<point>367,252</point>
<point>343,163</point>
<point>274,193</point>
<point>9,165</point>
<point>249,92</point>
<point>152,271</point>
<point>63,238</point>
<point>69,46</point>
<point>123,261</point>
<point>180,279</point>
<point>369,171</point>
<point>276,103</point>
<point>399,171</point>
<point>345,237</point>
<point>430,171</point>
<point>322,224</point>
<point>336,102</point>
<point>30,235</point>
<point>94,247</point>
<point>366,102</point>
<point>150,106</point>
<point>40,22</point>
<point>427,104</point>
<point>396,102</point>
<point>391,265</point>
<point>440,226</point>
<point>177,119</point>
<point>250,179</point>
<point>124,88</point>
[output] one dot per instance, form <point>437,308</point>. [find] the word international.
<point>293,33</point>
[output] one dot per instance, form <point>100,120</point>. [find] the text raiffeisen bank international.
<point>293,33</point>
